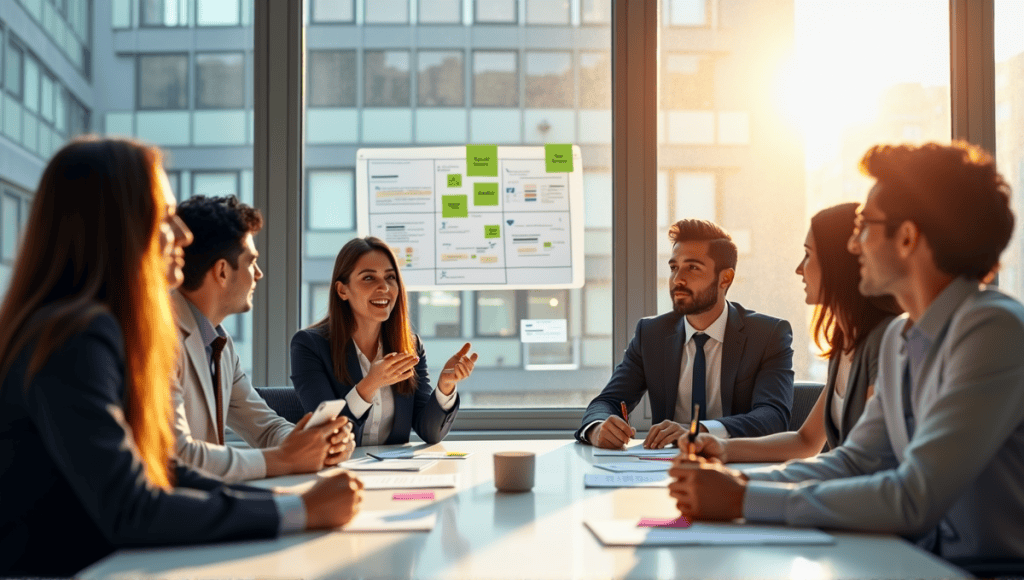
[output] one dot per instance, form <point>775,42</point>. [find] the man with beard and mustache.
<point>742,379</point>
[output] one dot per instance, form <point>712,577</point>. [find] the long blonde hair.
<point>92,246</point>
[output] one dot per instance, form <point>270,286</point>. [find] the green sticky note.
<point>547,244</point>
<point>454,206</point>
<point>482,160</point>
<point>454,180</point>
<point>558,158</point>
<point>485,194</point>
<point>492,231</point>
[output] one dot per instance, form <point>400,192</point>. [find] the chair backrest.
<point>805,393</point>
<point>284,401</point>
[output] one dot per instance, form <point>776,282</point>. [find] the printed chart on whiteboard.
<point>476,217</point>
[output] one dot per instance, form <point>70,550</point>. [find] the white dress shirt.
<point>712,375</point>
<point>378,425</point>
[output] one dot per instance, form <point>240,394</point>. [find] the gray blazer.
<point>244,410</point>
<point>863,374</point>
<point>965,463</point>
<point>757,373</point>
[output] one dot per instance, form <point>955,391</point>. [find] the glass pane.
<point>331,200</point>
<point>495,11</point>
<point>332,78</point>
<point>440,11</point>
<point>217,12</point>
<point>333,11</point>
<point>163,81</point>
<point>387,78</point>
<point>821,91</point>
<point>387,12</point>
<point>595,80</point>
<point>10,223</point>
<point>596,11</point>
<point>214,183</point>
<point>1009,54</point>
<point>439,314</point>
<point>440,77</point>
<point>496,313</point>
<point>549,79</point>
<point>31,96</point>
<point>164,12</point>
<point>12,70</point>
<point>495,79</point>
<point>554,12</point>
<point>220,81</point>
<point>46,98</point>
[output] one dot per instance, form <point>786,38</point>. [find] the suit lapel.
<point>732,354</point>
<point>676,342</point>
<point>195,352</point>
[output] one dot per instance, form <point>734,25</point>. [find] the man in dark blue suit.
<point>735,363</point>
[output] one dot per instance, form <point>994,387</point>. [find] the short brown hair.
<point>219,226</point>
<point>721,248</point>
<point>953,194</point>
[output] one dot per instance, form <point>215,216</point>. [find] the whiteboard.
<point>520,230</point>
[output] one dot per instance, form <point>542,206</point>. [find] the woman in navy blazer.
<point>364,351</point>
<point>87,348</point>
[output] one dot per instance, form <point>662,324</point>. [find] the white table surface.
<point>482,533</point>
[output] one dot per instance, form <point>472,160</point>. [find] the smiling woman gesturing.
<point>364,351</point>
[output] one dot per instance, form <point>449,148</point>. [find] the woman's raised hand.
<point>457,368</point>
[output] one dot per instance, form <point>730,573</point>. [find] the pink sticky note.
<point>414,495</point>
<point>680,522</point>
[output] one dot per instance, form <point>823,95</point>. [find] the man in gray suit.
<point>211,390</point>
<point>735,363</point>
<point>939,451</point>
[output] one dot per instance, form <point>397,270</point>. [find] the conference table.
<point>484,533</point>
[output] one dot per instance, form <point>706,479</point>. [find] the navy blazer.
<point>72,488</point>
<point>314,380</point>
<point>757,373</point>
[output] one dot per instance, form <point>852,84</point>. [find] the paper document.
<point>397,521</point>
<point>627,533</point>
<point>634,466</point>
<point>371,464</point>
<point>637,451</point>
<point>626,480</point>
<point>408,454</point>
<point>410,481</point>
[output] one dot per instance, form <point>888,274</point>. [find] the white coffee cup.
<point>513,470</point>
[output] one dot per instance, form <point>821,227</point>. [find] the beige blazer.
<point>244,410</point>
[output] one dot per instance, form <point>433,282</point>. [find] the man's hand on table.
<point>333,501</point>
<point>612,433</point>
<point>706,489</point>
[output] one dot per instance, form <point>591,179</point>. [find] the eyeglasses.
<point>860,221</point>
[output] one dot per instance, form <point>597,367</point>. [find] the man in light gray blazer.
<point>938,454</point>
<point>211,390</point>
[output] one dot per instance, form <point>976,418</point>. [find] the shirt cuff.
<point>446,401</point>
<point>765,501</point>
<point>292,510</point>
<point>356,403</point>
<point>583,433</point>
<point>716,428</point>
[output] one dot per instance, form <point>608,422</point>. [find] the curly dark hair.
<point>219,226</point>
<point>953,194</point>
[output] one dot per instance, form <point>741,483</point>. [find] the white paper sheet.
<point>635,466</point>
<point>407,454</point>
<point>371,464</point>
<point>391,521</point>
<point>636,451</point>
<point>627,533</point>
<point>626,480</point>
<point>410,481</point>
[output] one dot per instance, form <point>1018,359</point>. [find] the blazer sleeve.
<point>429,420</point>
<point>772,397</point>
<point>76,402</point>
<point>250,416</point>
<point>628,384</point>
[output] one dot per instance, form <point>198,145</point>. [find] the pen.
<point>377,457</point>
<point>625,414</point>
<point>692,435</point>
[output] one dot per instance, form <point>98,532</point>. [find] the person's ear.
<point>725,278</point>
<point>220,272</point>
<point>908,237</point>
<point>340,290</point>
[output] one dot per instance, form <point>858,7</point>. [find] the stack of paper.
<point>637,451</point>
<point>396,521</point>
<point>408,454</point>
<point>410,481</point>
<point>626,480</point>
<point>634,466</point>
<point>628,533</point>
<point>371,464</point>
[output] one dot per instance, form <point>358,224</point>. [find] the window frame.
<point>138,80</point>
<point>516,308</point>
<point>313,20</point>
<point>195,85</point>
<point>141,22</point>
<point>307,200</point>
<point>194,4</point>
<point>459,22</point>
<point>476,16</point>
<point>568,15</point>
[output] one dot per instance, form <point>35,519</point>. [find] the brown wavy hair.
<point>340,322</point>
<point>840,277</point>
<point>92,246</point>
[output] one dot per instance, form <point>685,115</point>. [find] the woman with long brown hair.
<point>364,351</point>
<point>87,348</point>
<point>851,327</point>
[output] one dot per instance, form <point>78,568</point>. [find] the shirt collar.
<point>938,313</point>
<point>206,329</point>
<point>715,331</point>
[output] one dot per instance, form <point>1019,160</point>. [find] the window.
<point>496,11</point>
<point>215,183</point>
<point>688,82</point>
<point>217,13</point>
<point>174,178</point>
<point>163,81</point>
<point>1009,115</point>
<point>31,95</point>
<point>440,77</point>
<point>438,314</point>
<point>46,89</point>
<point>549,80</point>
<point>330,200</point>
<point>220,80</point>
<point>387,12</point>
<point>13,70</point>
<point>332,78</point>
<point>11,221</point>
<point>163,12</point>
<point>550,12</point>
<point>495,79</point>
<point>78,118</point>
<point>333,11</point>
<point>60,109</point>
<point>440,11</point>
<point>496,313</point>
<point>387,78</point>
<point>596,12</point>
<point>595,80</point>
<point>687,12</point>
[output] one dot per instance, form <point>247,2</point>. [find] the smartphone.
<point>326,412</point>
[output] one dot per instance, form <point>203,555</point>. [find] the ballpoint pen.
<point>625,414</point>
<point>692,435</point>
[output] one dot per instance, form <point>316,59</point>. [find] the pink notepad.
<point>680,522</point>
<point>414,495</point>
